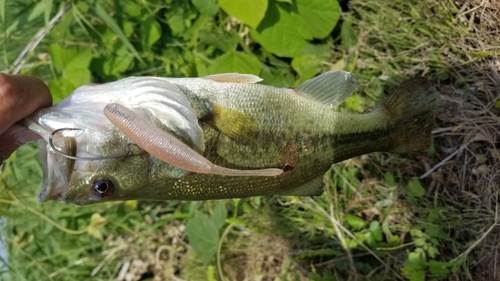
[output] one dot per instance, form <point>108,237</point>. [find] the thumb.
<point>14,137</point>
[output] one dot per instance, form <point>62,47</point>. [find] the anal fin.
<point>314,187</point>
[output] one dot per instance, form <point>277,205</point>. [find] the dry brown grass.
<point>456,44</point>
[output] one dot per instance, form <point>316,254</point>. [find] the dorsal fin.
<point>234,124</point>
<point>234,78</point>
<point>330,88</point>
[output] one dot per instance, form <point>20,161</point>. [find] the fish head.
<point>90,165</point>
<point>85,159</point>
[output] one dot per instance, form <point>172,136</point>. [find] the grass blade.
<point>103,14</point>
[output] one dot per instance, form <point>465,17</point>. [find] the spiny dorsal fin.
<point>311,188</point>
<point>234,124</point>
<point>234,78</point>
<point>330,88</point>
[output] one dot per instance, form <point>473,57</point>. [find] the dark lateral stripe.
<point>356,137</point>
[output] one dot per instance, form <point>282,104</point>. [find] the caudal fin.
<point>409,111</point>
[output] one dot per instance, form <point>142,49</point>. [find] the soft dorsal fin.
<point>234,78</point>
<point>330,88</point>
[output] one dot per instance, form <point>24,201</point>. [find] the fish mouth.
<point>56,167</point>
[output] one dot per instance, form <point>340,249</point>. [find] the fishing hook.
<point>84,158</point>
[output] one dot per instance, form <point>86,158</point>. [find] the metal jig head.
<point>84,158</point>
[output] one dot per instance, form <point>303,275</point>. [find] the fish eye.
<point>102,187</point>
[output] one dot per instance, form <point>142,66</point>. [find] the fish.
<point>216,137</point>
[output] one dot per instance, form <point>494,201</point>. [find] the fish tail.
<point>409,112</point>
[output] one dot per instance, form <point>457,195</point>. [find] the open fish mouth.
<point>56,168</point>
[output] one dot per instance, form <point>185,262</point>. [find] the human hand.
<point>20,95</point>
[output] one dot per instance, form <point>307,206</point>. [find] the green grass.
<point>376,221</point>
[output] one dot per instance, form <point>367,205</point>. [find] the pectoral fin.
<point>234,124</point>
<point>167,147</point>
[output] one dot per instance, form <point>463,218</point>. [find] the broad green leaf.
<point>221,40</point>
<point>3,7</point>
<point>73,64</point>
<point>376,230</point>
<point>348,36</point>
<point>248,12</point>
<point>236,62</point>
<point>150,32</point>
<point>206,7</point>
<point>355,222</point>
<point>103,14</point>
<point>285,1</point>
<point>440,269</point>
<point>415,187</point>
<point>307,66</point>
<point>278,32</point>
<point>220,214</point>
<point>203,235</point>
<point>317,18</point>
<point>61,56</point>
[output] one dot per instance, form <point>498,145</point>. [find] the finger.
<point>20,95</point>
<point>13,138</point>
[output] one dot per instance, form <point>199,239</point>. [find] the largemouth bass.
<point>220,136</point>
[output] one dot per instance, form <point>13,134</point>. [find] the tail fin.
<point>409,110</point>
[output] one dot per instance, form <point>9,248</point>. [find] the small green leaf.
<point>415,260</point>
<point>497,104</point>
<point>389,179</point>
<point>394,241</point>
<point>203,235</point>
<point>37,11</point>
<point>370,239</point>
<point>206,7</point>
<point>442,74</point>
<point>96,221</point>
<point>415,188</point>
<point>150,32</point>
<point>250,13</point>
<point>176,24</point>
<point>355,222</point>
<point>236,62</point>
